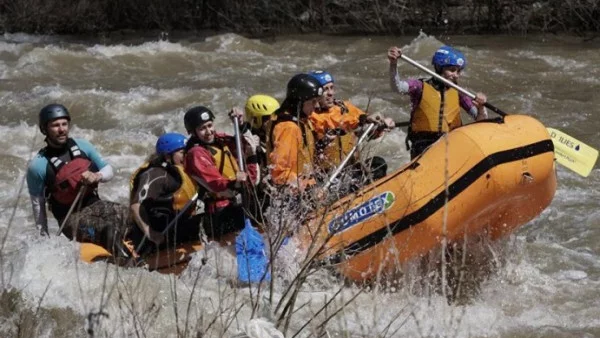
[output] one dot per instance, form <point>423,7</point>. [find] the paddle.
<point>573,153</point>
<point>181,212</point>
<point>251,259</point>
<point>76,201</point>
<point>569,152</point>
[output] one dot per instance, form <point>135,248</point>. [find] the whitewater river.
<point>124,93</point>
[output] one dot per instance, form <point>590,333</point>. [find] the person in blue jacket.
<point>66,173</point>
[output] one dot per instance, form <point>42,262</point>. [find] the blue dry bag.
<point>252,261</point>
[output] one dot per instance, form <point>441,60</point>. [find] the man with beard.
<point>66,173</point>
<point>337,124</point>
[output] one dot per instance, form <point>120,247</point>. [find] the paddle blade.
<point>251,258</point>
<point>573,153</point>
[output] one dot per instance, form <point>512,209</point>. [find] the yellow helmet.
<point>259,106</point>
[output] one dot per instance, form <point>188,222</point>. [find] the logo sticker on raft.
<point>363,212</point>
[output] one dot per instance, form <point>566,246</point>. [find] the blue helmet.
<point>169,143</point>
<point>322,76</point>
<point>448,56</point>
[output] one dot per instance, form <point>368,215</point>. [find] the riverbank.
<point>255,18</point>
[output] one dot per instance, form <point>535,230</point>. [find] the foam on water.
<point>553,61</point>
<point>13,48</point>
<point>28,38</point>
<point>145,49</point>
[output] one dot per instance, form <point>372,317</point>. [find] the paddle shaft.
<point>183,210</point>
<point>450,83</point>
<point>238,143</point>
<point>75,202</point>
<point>339,169</point>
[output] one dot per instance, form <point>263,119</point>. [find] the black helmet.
<point>197,116</point>
<point>303,87</point>
<point>50,113</point>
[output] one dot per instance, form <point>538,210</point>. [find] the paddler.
<point>435,106</point>
<point>66,174</point>
<point>290,137</point>
<point>337,123</point>
<point>211,160</point>
<point>259,110</point>
<point>160,190</point>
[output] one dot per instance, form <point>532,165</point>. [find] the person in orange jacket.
<point>336,124</point>
<point>290,140</point>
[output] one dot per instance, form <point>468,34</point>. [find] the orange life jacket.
<point>331,123</point>
<point>305,151</point>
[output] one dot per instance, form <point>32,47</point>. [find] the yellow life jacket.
<point>182,195</point>
<point>429,117</point>
<point>306,154</point>
<point>224,160</point>
<point>335,151</point>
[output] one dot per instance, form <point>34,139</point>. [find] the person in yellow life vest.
<point>211,160</point>
<point>290,140</point>
<point>435,106</point>
<point>160,189</point>
<point>336,124</point>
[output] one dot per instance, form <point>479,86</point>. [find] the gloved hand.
<point>237,113</point>
<point>383,124</point>
<point>251,143</point>
<point>375,118</point>
<point>381,121</point>
<point>389,123</point>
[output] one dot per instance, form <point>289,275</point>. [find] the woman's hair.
<point>291,106</point>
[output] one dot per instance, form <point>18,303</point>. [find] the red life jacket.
<point>66,179</point>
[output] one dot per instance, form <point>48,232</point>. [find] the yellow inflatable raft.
<point>488,179</point>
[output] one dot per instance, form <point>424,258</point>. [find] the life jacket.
<point>437,112</point>
<point>306,155</point>
<point>335,151</point>
<point>178,199</point>
<point>63,175</point>
<point>224,159</point>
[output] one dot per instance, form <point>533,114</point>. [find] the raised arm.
<point>396,84</point>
